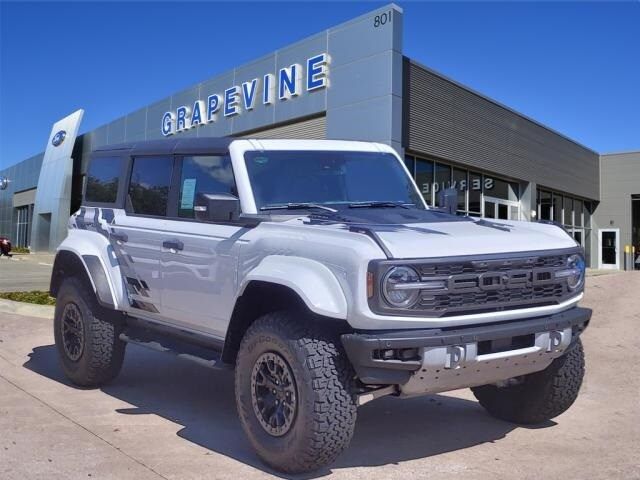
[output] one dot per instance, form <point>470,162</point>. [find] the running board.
<point>203,356</point>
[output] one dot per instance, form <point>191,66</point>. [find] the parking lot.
<point>168,418</point>
<point>25,272</point>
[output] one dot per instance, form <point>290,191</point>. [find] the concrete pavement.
<point>167,418</point>
<point>25,272</point>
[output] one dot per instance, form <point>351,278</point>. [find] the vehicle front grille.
<point>476,286</point>
<point>488,284</point>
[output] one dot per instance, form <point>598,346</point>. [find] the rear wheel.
<point>540,396</point>
<point>90,352</point>
<point>294,392</point>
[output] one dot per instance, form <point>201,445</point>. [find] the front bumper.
<point>446,359</point>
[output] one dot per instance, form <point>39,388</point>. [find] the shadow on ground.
<point>388,431</point>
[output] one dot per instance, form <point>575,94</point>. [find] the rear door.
<point>199,259</point>
<point>139,233</point>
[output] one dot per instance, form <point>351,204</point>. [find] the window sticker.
<point>188,193</point>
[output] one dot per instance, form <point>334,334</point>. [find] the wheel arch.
<point>88,267</point>
<point>258,298</point>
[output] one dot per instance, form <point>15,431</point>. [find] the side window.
<point>204,175</point>
<point>149,186</point>
<point>102,179</point>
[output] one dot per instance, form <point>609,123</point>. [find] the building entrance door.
<point>608,247</point>
<point>501,209</point>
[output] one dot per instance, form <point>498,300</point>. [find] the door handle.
<point>173,244</point>
<point>120,237</point>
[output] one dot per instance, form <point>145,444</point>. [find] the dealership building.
<point>353,81</point>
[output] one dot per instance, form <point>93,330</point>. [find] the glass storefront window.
<point>568,211</point>
<point>545,205</point>
<point>424,178</point>
<point>475,192</point>
<point>410,162</point>
<point>497,188</point>
<point>442,180</point>
<point>478,195</point>
<point>577,235</point>
<point>557,208</point>
<point>459,182</point>
<point>577,213</point>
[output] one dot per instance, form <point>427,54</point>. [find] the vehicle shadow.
<point>388,431</point>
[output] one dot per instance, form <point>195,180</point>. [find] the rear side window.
<point>203,175</point>
<point>149,186</point>
<point>102,179</point>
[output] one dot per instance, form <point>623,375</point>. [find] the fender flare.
<point>93,265</point>
<point>314,283</point>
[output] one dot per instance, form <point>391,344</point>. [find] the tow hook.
<point>555,339</point>
<point>455,355</point>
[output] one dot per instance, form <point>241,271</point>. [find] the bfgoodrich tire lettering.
<point>326,409</point>
<point>542,395</point>
<point>99,358</point>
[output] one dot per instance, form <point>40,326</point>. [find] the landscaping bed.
<point>36,297</point>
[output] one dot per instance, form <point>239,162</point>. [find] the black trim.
<point>99,278</point>
<point>172,146</point>
<point>361,345</point>
<point>371,233</point>
<point>147,330</point>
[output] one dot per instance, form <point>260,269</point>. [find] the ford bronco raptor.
<point>316,270</point>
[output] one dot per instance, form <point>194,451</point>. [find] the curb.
<point>26,309</point>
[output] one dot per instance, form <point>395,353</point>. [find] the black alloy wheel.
<point>273,393</point>
<point>72,332</point>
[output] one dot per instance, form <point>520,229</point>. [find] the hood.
<point>470,238</point>
<point>427,234</point>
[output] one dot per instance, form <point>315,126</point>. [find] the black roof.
<point>171,146</point>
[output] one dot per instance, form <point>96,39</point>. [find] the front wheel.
<point>540,396</point>
<point>294,392</point>
<point>91,354</point>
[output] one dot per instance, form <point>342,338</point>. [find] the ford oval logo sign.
<point>4,183</point>
<point>58,138</point>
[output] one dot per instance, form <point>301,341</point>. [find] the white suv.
<point>316,270</point>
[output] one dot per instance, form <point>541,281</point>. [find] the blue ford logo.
<point>58,138</point>
<point>4,183</point>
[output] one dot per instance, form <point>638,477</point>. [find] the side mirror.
<point>448,199</point>
<point>216,207</point>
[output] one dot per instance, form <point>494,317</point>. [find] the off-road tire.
<point>326,405</point>
<point>102,351</point>
<point>542,395</point>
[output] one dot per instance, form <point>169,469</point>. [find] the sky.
<point>574,67</point>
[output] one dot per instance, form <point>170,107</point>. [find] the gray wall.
<point>619,179</point>
<point>22,176</point>
<point>447,120</point>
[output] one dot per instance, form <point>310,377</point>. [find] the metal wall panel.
<point>619,180</point>
<point>22,176</point>
<point>313,128</point>
<point>447,120</point>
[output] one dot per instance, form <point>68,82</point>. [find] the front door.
<point>608,247</point>
<point>199,259</point>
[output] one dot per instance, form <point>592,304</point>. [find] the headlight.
<point>574,273</point>
<point>398,287</point>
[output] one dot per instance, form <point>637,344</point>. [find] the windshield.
<point>328,178</point>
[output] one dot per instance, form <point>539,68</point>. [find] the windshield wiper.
<point>298,206</point>
<point>378,204</point>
